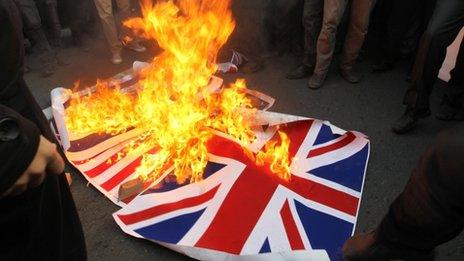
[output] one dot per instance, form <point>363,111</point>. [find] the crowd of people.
<point>38,218</point>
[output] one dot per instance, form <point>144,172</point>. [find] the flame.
<point>276,156</point>
<point>172,107</point>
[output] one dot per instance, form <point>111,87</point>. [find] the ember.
<point>172,107</point>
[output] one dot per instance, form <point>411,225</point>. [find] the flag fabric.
<point>243,209</point>
<point>240,209</point>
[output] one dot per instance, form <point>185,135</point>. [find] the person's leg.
<point>129,40</point>
<point>333,12</point>
<point>54,21</point>
<point>357,30</point>
<point>312,19</point>
<point>446,21</point>
<point>429,211</point>
<point>452,107</point>
<point>34,31</point>
<point>399,21</point>
<point>105,12</point>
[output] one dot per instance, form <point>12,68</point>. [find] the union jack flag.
<point>243,209</point>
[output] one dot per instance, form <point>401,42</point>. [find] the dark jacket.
<point>42,223</point>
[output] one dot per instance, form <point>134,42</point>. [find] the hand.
<point>46,161</point>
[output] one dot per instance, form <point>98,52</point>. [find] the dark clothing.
<point>41,223</point>
<point>430,210</point>
<point>445,24</point>
<point>321,19</point>
<point>282,21</point>
<point>402,16</point>
<point>455,91</point>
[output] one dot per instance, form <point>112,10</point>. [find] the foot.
<point>381,67</point>
<point>300,72</point>
<point>408,120</point>
<point>135,46</point>
<point>349,76</point>
<point>368,247</point>
<point>448,112</point>
<point>316,81</point>
<point>116,58</point>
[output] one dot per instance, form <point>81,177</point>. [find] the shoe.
<point>135,46</point>
<point>368,247</point>
<point>447,111</point>
<point>116,58</point>
<point>382,67</point>
<point>408,120</point>
<point>316,81</point>
<point>349,76</point>
<point>300,72</point>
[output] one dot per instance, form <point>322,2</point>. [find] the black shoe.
<point>382,67</point>
<point>316,81</point>
<point>408,120</point>
<point>368,247</point>
<point>349,76</point>
<point>300,72</point>
<point>449,112</point>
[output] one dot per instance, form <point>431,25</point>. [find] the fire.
<point>172,107</point>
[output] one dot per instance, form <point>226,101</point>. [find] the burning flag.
<point>218,173</point>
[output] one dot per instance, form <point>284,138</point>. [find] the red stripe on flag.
<point>152,212</point>
<point>290,227</point>
<point>322,194</point>
<point>339,144</point>
<point>103,166</point>
<point>121,175</point>
<point>124,173</point>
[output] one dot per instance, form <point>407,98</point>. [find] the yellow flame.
<point>166,106</point>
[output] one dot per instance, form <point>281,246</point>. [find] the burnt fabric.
<point>321,19</point>
<point>42,223</point>
<point>430,210</point>
<point>445,24</point>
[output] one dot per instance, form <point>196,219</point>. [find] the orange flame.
<point>166,106</point>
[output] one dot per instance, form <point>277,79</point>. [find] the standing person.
<point>318,53</point>
<point>429,211</point>
<point>445,24</point>
<point>110,27</point>
<point>38,218</point>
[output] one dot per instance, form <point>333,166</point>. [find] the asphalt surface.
<point>369,107</point>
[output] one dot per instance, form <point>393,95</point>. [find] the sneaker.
<point>449,112</point>
<point>408,120</point>
<point>135,46</point>
<point>116,58</point>
<point>316,81</point>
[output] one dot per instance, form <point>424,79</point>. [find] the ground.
<point>369,107</point>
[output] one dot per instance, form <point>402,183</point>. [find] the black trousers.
<point>400,18</point>
<point>430,210</point>
<point>445,24</point>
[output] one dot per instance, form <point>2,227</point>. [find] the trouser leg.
<point>397,27</point>
<point>455,90</point>
<point>312,21</point>
<point>54,20</point>
<point>333,13</point>
<point>105,12</point>
<point>33,25</point>
<point>430,210</point>
<point>124,12</point>
<point>357,30</point>
<point>444,26</point>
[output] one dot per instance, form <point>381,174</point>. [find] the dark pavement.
<point>369,107</point>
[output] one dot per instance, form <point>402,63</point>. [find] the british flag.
<point>243,209</point>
